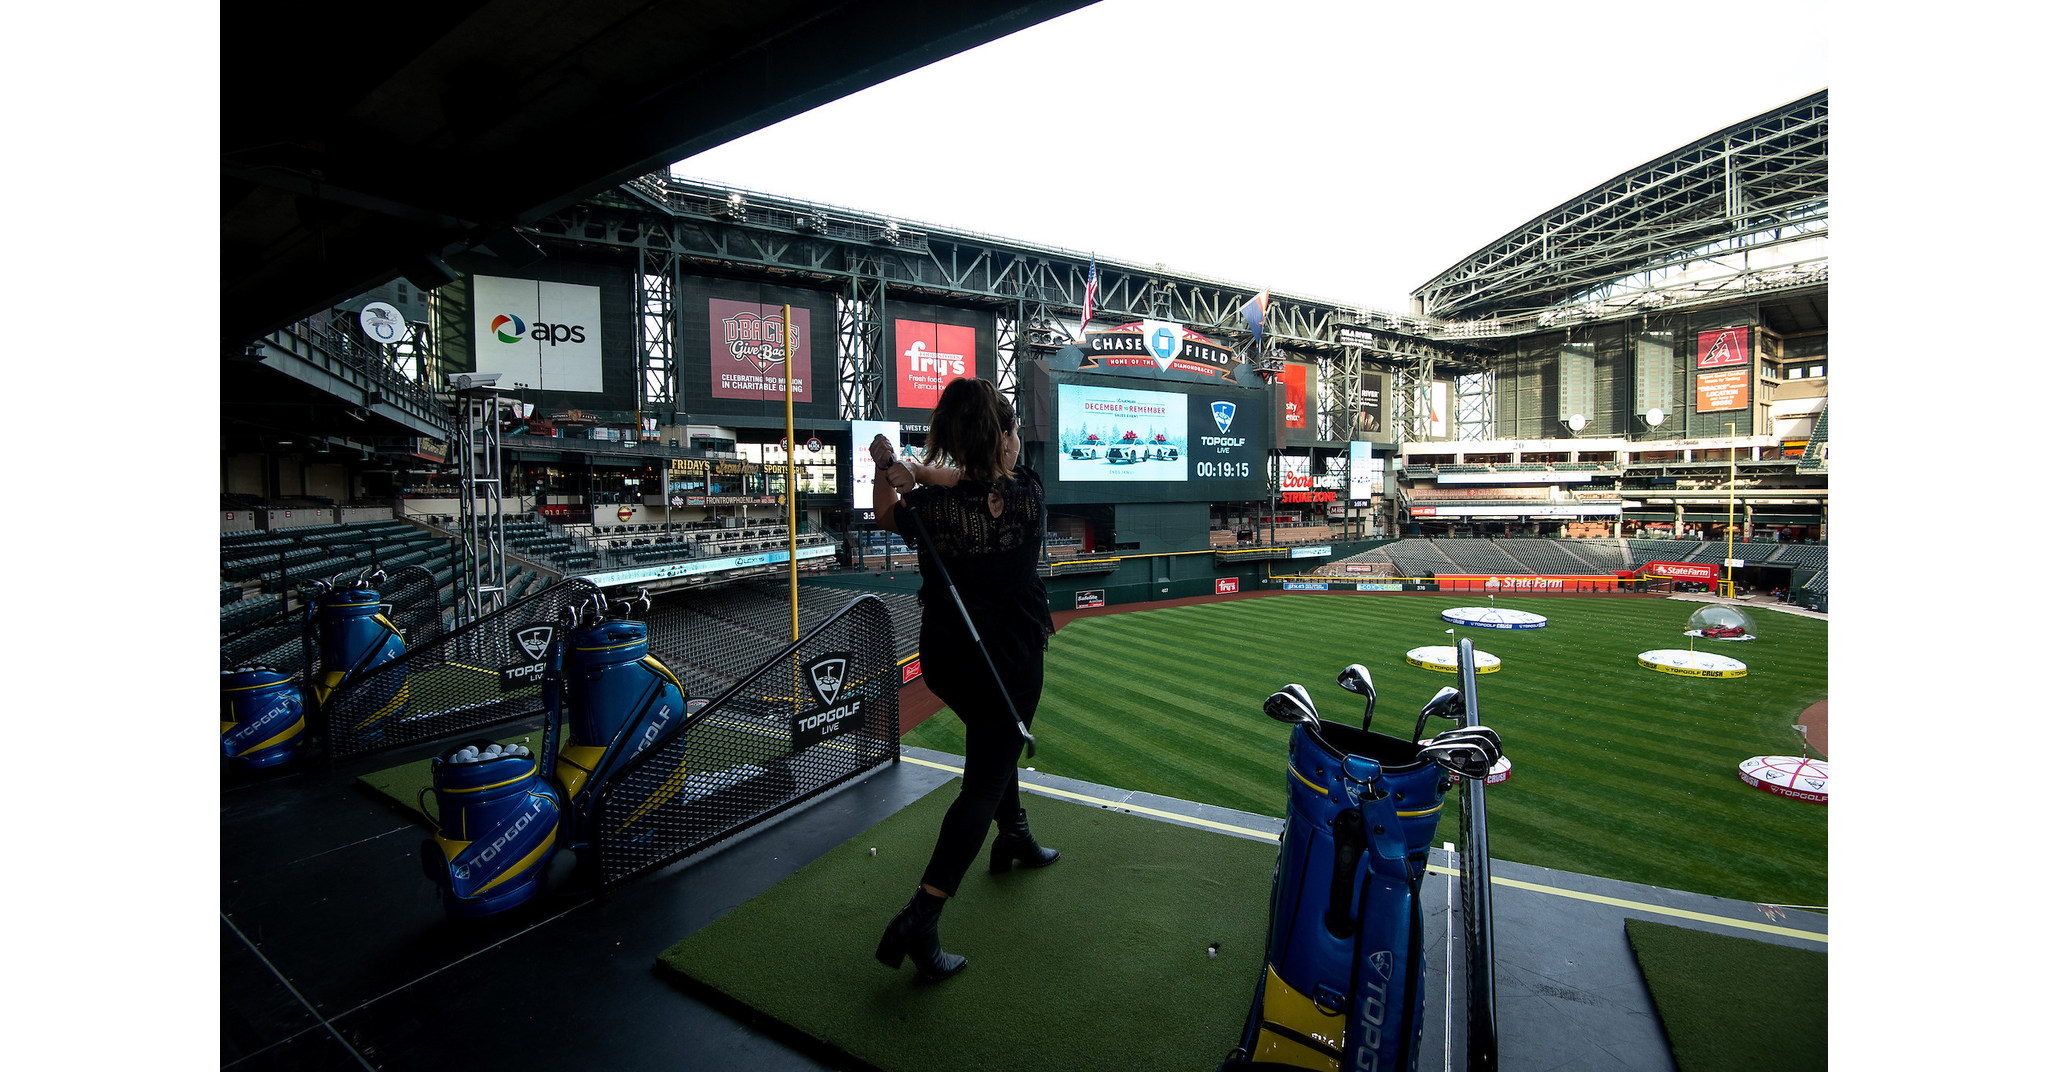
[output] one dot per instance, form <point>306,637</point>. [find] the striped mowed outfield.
<point>1619,771</point>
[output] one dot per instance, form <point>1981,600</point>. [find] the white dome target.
<point>1445,658</point>
<point>1494,618</point>
<point>1692,663</point>
<point>1788,776</point>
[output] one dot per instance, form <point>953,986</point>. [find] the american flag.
<point>1255,314</point>
<point>1088,297</point>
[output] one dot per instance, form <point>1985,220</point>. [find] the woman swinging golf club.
<point>977,519</point>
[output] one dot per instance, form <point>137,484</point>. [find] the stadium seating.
<point>1479,556</point>
<point>1552,556</point>
<point>1812,555</point>
<point>1417,557</point>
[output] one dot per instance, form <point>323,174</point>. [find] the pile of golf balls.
<point>470,754</point>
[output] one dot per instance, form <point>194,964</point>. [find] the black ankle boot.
<point>915,931</point>
<point>1014,842</point>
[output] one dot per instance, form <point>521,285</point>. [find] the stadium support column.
<point>480,583</point>
<point>863,364</point>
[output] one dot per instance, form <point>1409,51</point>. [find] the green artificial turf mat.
<point>714,745</point>
<point>404,782</point>
<point>1734,1004</point>
<point>1099,961</point>
<point>1619,771</point>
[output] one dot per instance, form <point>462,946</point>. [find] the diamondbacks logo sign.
<point>747,343</point>
<point>1724,346</point>
<point>831,710</point>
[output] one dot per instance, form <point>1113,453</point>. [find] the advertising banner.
<point>1362,473</point>
<point>1088,598</point>
<point>538,335</point>
<point>1226,585</point>
<point>930,346</point>
<point>1299,382</point>
<point>732,339</point>
<point>748,351</point>
<point>1724,390</point>
<point>1521,509</point>
<point>1159,346</point>
<point>1196,443</point>
<point>1706,572</point>
<point>1724,346</point>
<point>863,462</point>
<point>1473,582</point>
<point>1371,404</point>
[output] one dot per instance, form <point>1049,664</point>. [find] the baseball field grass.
<point>1619,771</point>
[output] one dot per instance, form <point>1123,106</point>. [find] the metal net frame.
<point>480,675</point>
<point>810,717</point>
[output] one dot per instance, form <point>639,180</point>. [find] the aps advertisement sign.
<point>539,334</point>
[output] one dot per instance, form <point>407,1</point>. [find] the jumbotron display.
<point>1126,444</point>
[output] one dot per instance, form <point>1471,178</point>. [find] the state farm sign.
<point>1504,582</point>
<point>1683,571</point>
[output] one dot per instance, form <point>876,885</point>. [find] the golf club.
<point>1447,703</point>
<point>1292,705</point>
<point>1356,678</point>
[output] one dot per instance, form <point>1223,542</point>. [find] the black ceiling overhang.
<point>388,134</point>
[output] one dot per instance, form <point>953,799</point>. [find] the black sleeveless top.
<point>993,561</point>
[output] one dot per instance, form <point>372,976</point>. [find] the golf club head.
<point>1447,703</point>
<point>1465,757</point>
<point>1292,704</point>
<point>1481,734</point>
<point>1356,678</point>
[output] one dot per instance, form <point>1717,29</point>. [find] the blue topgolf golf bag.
<point>1342,982</point>
<point>618,700</point>
<point>262,717</point>
<point>356,637</point>
<point>498,824</point>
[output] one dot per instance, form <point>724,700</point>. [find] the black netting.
<point>277,642</point>
<point>477,676</point>
<point>415,602</point>
<point>807,717</point>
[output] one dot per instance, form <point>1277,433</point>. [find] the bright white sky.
<point>1347,151</point>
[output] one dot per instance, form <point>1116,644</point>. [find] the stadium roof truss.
<point>675,225</point>
<point>1740,211</point>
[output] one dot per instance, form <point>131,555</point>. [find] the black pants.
<point>957,675</point>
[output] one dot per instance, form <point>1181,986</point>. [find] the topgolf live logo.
<point>832,712</point>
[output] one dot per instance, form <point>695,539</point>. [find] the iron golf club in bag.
<point>925,540</point>
<point>1447,703</point>
<point>1356,678</point>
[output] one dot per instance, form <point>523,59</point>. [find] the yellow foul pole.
<point>1728,572</point>
<point>789,452</point>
